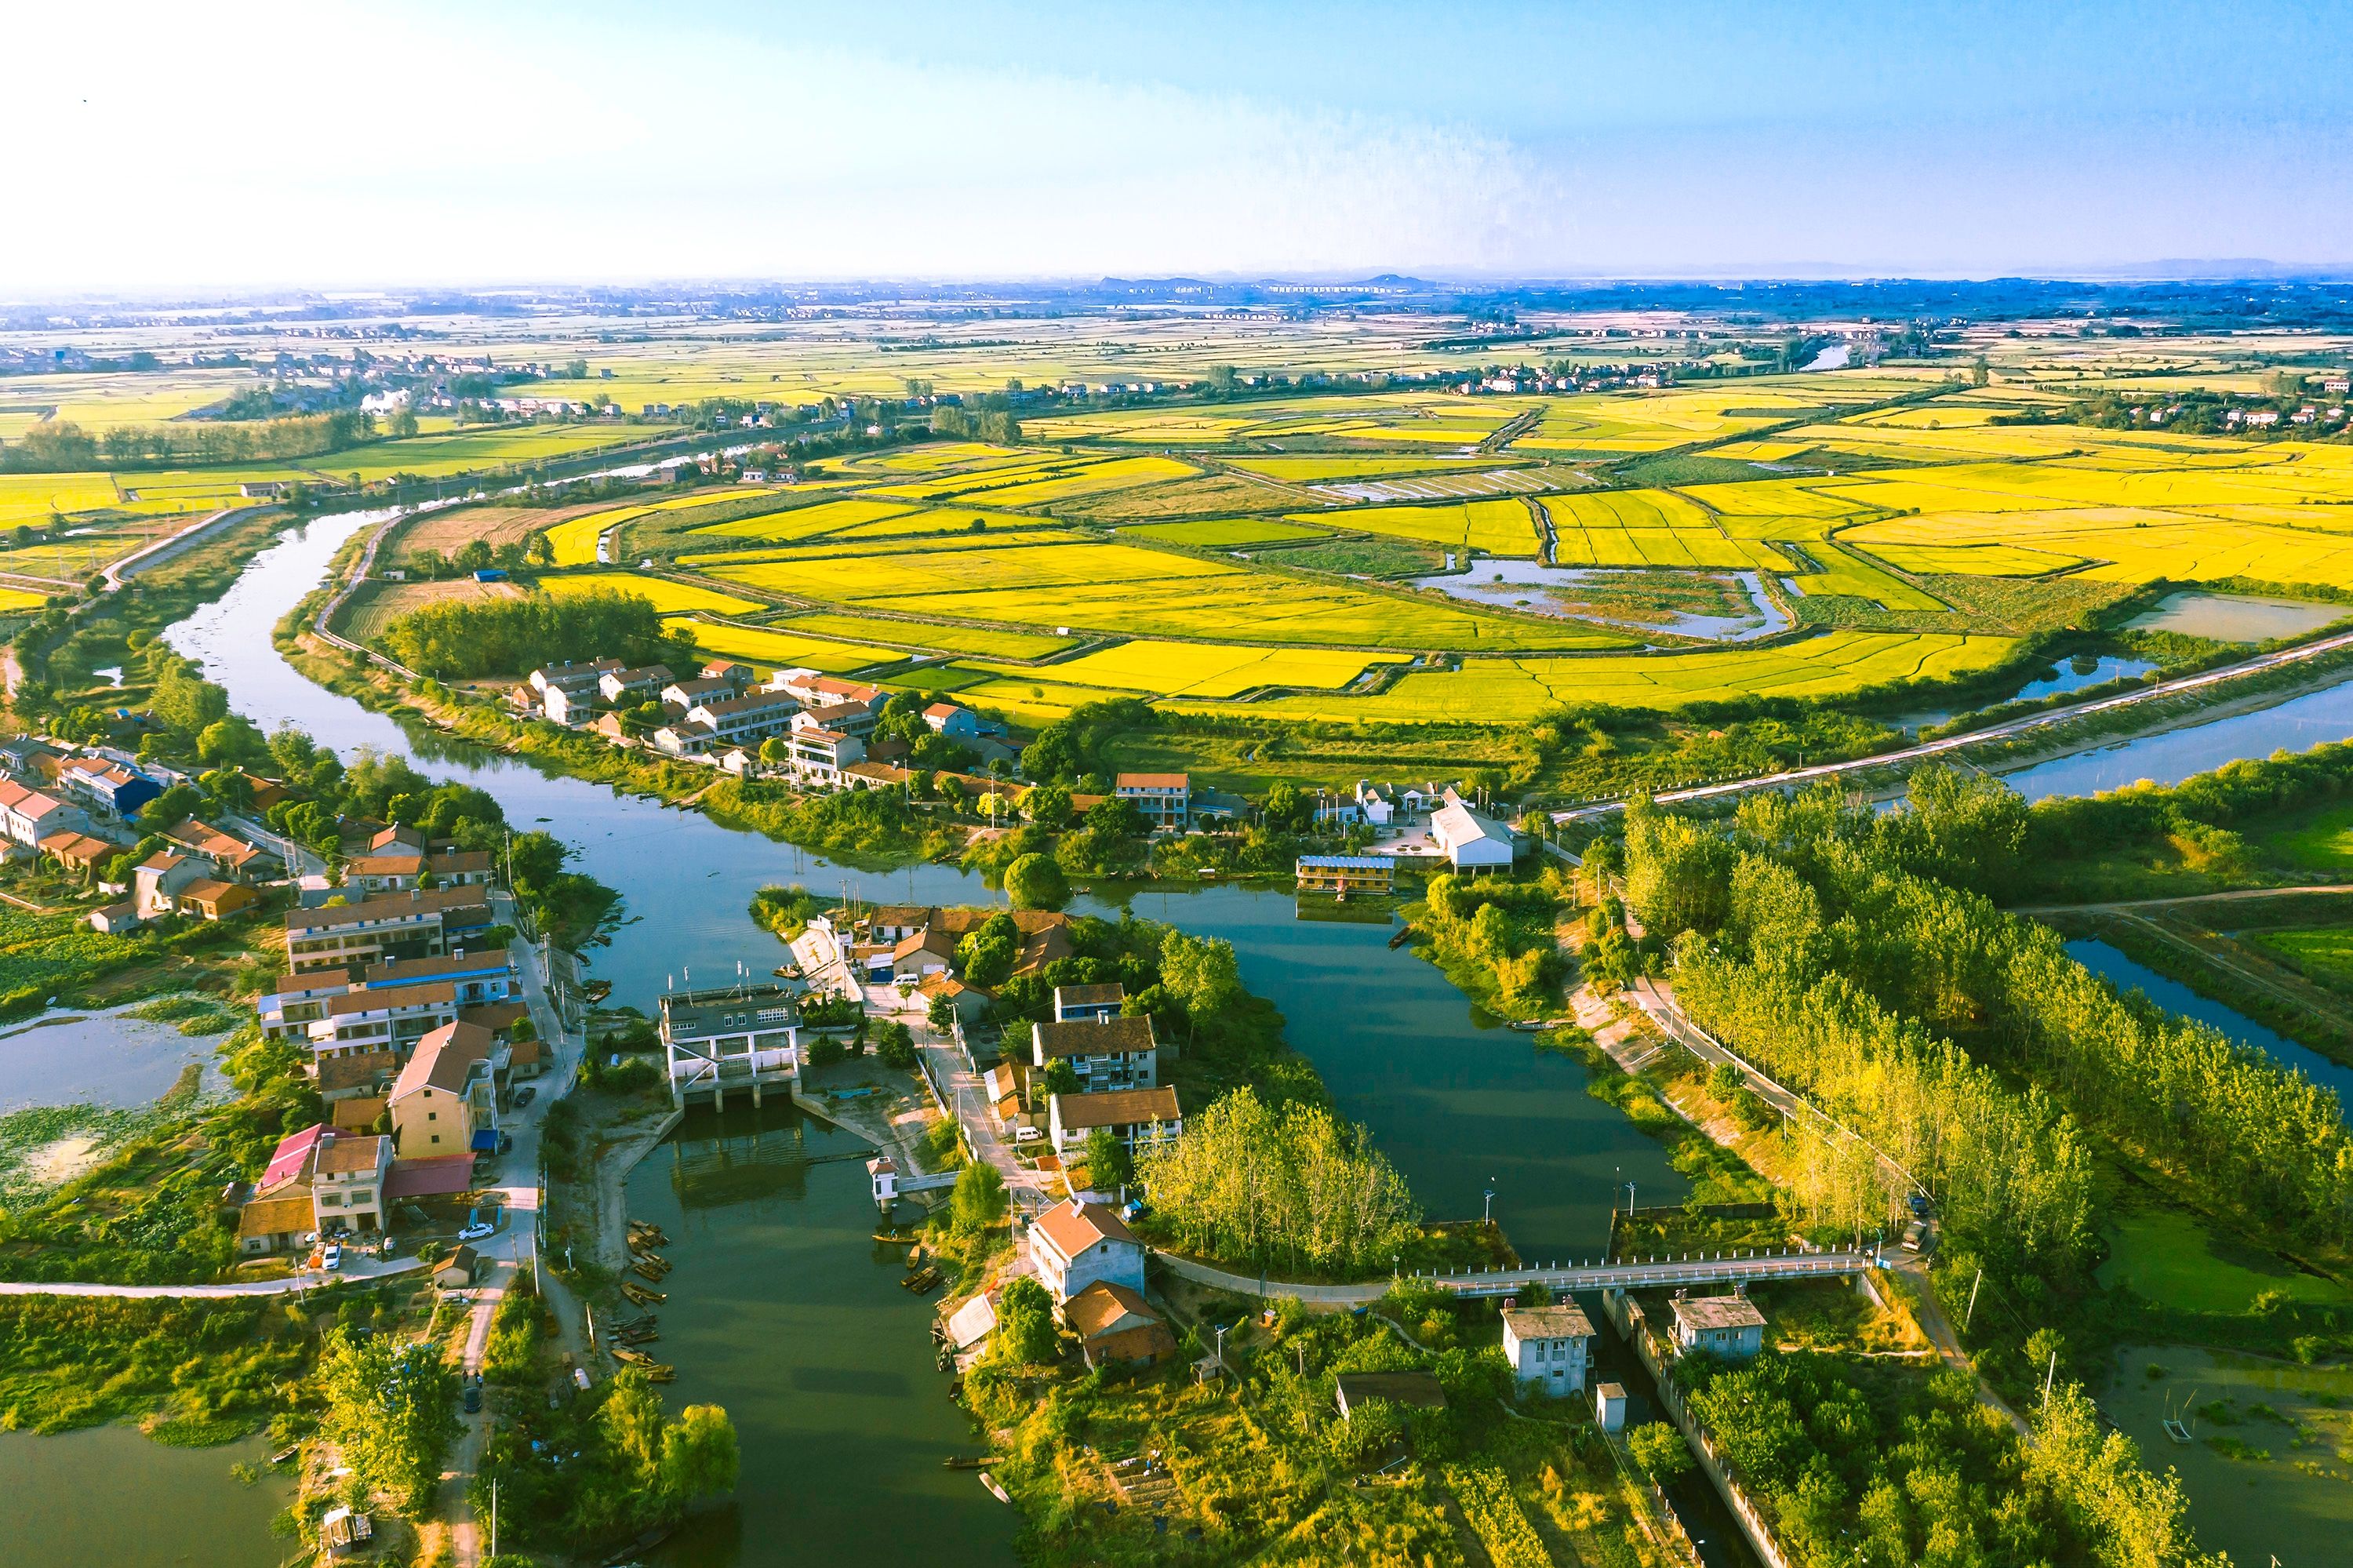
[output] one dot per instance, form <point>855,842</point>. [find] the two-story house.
<point>1075,1244</point>
<point>1549,1347</point>
<point>1165,798</point>
<point>1107,1051</point>
<point>1138,1118</point>
<point>447,1094</point>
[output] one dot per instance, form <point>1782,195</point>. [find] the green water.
<point>780,1293</point>
<point>2293,1503</point>
<point>109,1496</point>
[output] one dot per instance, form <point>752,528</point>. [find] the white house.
<point>1165,798</point>
<point>1610,1406</point>
<point>1549,1347</point>
<point>1471,840</point>
<point>1107,1051</point>
<point>1075,1244</point>
<point>1137,1117</point>
<point>1729,1327</point>
<point>951,720</point>
<point>1374,807</point>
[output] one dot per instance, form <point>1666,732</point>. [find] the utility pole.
<point>2048,1376</point>
<point>1972,1310</point>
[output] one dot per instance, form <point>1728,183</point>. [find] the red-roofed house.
<point>1075,1244</point>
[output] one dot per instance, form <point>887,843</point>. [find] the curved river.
<point>785,1313</point>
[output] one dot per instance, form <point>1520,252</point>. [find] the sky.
<point>171,148</point>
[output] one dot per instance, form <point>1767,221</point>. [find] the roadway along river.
<point>796,1325</point>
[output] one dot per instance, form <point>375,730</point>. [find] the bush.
<point>1661,1451</point>
<point>1035,881</point>
<point>977,1198</point>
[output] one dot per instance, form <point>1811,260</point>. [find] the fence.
<point>1636,1328</point>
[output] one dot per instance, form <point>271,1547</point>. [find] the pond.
<point>2171,755</point>
<point>1510,582</point>
<point>2076,675</point>
<point>112,1059</point>
<point>2265,1469</point>
<point>2236,618</point>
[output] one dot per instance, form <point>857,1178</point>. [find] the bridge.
<point>1743,1266</point>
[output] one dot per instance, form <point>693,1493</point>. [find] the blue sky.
<point>347,145</point>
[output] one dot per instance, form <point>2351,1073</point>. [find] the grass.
<point>2321,843</point>
<point>1202,670</point>
<point>194,1372</point>
<point>2323,952</point>
<point>1496,527</point>
<point>574,540</point>
<point>378,604</point>
<point>783,650</point>
<point>2171,1259</point>
<point>1227,533</point>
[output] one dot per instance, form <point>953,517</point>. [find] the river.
<point>782,1312</point>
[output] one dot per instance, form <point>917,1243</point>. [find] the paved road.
<point>2237,895</point>
<point>1997,732</point>
<point>358,1268</point>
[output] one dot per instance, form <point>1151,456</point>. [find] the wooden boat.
<point>597,989</point>
<point>898,1241</point>
<point>995,1491</point>
<point>632,1358</point>
<point>648,1234</point>
<point>642,1272</point>
<point>922,1281</point>
<point>963,1462</point>
<point>1404,934</point>
<point>662,1373</point>
<point>285,1454</point>
<point>640,1295</point>
<point>642,1544</point>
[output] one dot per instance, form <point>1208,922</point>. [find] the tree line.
<point>62,446</point>
<point>1850,950</point>
<point>468,637</point>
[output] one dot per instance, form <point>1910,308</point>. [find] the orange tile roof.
<point>1073,1227</point>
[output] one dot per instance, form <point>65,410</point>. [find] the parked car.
<point>525,1094</point>
<point>477,1231</point>
<point>453,1299</point>
<point>332,1258</point>
<point>386,1247</point>
<point>473,1398</point>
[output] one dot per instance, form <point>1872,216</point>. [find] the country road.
<point>2125,905</point>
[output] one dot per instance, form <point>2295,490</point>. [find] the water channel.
<point>782,1312</point>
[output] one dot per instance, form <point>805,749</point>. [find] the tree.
<point>1035,881</point>
<point>699,1456</point>
<point>1059,1077</point>
<point>1201,973</point>
<point>1026,1334</point>
<point>172,807</point>
<point>1049,806</point>
<point>1107,1161</point>
<point>1114,818</point>
<point>391,1410</point>
<point>895,1044</point>
<point>977,1198</point>
<point>1661,1451</point>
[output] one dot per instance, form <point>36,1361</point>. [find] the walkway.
<point>2237,895</point>
<point>1649,1274</point>
<point>359,1271</point>
<point>2173,688</point>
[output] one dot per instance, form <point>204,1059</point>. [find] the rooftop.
<point>1117,1108</point>
<point>1089,995</point>
<point>694,1015</point>
<point>1564,1321</point>
<point>1070,1228</point>
<point>1152,781</point>
<point>1094,1036</point>
<point>445,1059</point>
<point>1105,1307</point>
<point>1705,1312</point>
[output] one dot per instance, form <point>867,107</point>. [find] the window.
<point>363,1196</point>
<point>433,1115</point>
<point>437,1138</point>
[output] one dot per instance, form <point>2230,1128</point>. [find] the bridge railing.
<point>1689,1269</point>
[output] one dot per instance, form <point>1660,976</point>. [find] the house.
<point>28,816</point>
<point>1106,1052</point>
<point>347,1181</point>
<point>1165,798</point>
<point>883,1173</point>
<point>896,922</point>
<point>235,859</point>
<point>1116,1327</point>
<point>78,853</point>
<point>1005,1087</point>
<point>969,1001</point>
<point>567,707</point>
<point>158,881</point>
<point>1610,1406</point>
<point>820,692</point>
<point>1372,805</point>
<point>736,675</point>
<point>844,718</point>
<point>819,754</point>
<point>1371,875</point>
<point>918,957</point>
<point>273,1224</point>
<point>972,1322</point>
<point>477,978</point>
<point>1419,1389</point>
<point>397,868</point>
<point>1728,1327</point>
<point>1075,1244</point>
<point>642,684</point>
<point>121,790</point>
<point>209,899</point>
<point>466,1267</point>
<point>952,720</point>
<point>685,694</point>
<point>1471,841</point>
<point>685,739</point>
<point>115,919</point>
<point>576,680</point>
<point>1135,1117</point>
<point>445,1094</point>
<point>1548,1347</point>
<point>740,1036</point>
<point>367,1075</point>
<point>382,1017</point>
<point>294,1003</point>
<point>745,721</point>
<point>417,924</point>
<point>1087,1003</point>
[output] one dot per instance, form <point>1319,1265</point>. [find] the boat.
<point>1528,1025</point>
<point>640,1295</point>
<point>597,989</point>
<point>922,1281</point>
<point>643,1543</point>
<point>642,1272</point>
<point>995,1491</point>
<point>898,1241</point>
<point>965,1462</point>
<point>286,1453</point>
<point>1405,935</point>
<point>785,971</point>
<point>632,1358</point>
<point>662,1373</point>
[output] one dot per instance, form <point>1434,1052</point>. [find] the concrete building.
<point>1165,798</point>
<point>1471,841</point>
<point>413,925</point>
<point>1549,1347</point>
<point>1106,1052</point>
<point>1727,1327</point>
<point>1075,1244</point>
<point>1087,1003</point>
<point>447,1094</point>
<point>1371,875</point>
<point>382,1017</point>
<point>1139,1119</point>
<point>738,1037</point>
<point>1116,1327</point>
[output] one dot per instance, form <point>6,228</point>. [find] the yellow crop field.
<point>803,521</point>
<point>988,477</point>
<point>479,450</point>
<point>1118,473</point>
<point>2135,545</point>
<point>933,571</point>
<point>985,641</point>
<point>1513,691</point>
<point>1305,470</point>
<point>31,497</point>
<point>1207,670</point>
<point>1774,498</point>
<point>1976,560</point>
<point>669,596</point>
<point>1497,527</point>
<point>1246,607</point>
<point>574,540</point>
<point>1845,575</point>
<point>784,649</point>
<point>1628,509</point>
<point>14,601</point>
<point>852,541</point>
<point>941,520</point>
<point>931,458</point>
<point>1225,533</point>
